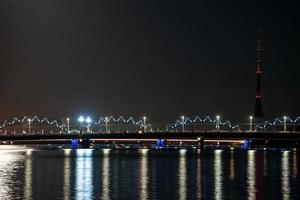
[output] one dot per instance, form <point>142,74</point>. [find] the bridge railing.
<point>111,124</point>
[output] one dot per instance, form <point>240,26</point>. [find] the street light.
<point>250,124</point>
<point>182,122</point>
<point>106,124</point>
<point>29,127</point>
<point>81,119</point>
<point>218,122</point>
<point>68,125</point>
<point>144,123</point>
<point>284,123</point>
<point>88,120</point>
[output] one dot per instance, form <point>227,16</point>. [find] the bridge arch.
<point>205,123</point>
<point>26,125</point>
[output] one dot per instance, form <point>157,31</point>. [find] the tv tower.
<point>258,111</point>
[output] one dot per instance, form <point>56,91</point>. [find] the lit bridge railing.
<point>111,124</point>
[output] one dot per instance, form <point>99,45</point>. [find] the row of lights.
<point>218,122</point>
<point>183,122</point>
<point>89,120</point>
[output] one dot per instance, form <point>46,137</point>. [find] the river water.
<point>147,174</point>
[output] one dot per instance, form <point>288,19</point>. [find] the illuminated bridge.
<point>196,130</point>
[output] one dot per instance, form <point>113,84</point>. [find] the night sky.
<point>62,58</point>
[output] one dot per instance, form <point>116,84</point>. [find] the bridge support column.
<point>200,143</point>
<point>85,141</point>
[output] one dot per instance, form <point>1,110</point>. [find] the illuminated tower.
<point>258,111</point>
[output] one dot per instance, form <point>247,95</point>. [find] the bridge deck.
<point>287,136</point>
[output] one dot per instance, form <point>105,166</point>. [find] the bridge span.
<point>257,139</point>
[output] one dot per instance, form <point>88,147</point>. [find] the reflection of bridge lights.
<point>218,151</point>
<point>84,152</point>
<point>28,178</point>
<point>182,175</point>
<point>143,175</point>
<point>231,166</point>
<point>67,176</point>
<point>285,175</point>
<point>106,151</point>
<point>29,152</point>
<point>251,189</point>
<point>143,151</point>
<point>67,152</point>
<point>106,175</point>
<point>83,175</point>
<point>198,179</point>
<point>218,175</point>
<point>182,151</point>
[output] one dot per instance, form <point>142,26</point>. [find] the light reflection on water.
<point>251,175</point>
<point>232,167</point>
<point>205,175</point>
<point>198,184</point>
<point>8,165</point>
<point>84,175</point>
<point>218,174</point>
<point>28,175</point>
<point>285,175</point>
<point>106,175</point>
<point>143,171</point>
<point>295,166</point>
<point>67,174</point>
<point>182,174</point>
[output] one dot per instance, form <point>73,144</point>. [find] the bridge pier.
<point>85,141</point>
<point>200,143</point>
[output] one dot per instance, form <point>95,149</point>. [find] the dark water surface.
<point>148,174</point>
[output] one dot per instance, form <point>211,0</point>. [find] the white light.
<point>143,151</point>
<point>67,152</point>
<point>68,119</point>
<point>284,118</point>
<point>251,117</point>
<point>106,151</point>
<point>182,151</point>
<point>218,117</point>
<point>88,120</point>
<point>81,119</point>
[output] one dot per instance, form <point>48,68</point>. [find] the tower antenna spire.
<point>258,111</point>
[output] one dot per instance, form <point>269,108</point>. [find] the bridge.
<point>109,124</point>
<point>278,132</point>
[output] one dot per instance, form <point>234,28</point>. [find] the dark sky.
<point>160,58</point>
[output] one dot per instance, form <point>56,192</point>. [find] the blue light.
<point>74,143</point>
<point>161,143</point>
